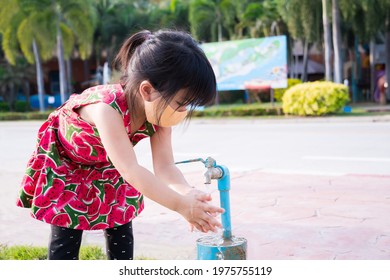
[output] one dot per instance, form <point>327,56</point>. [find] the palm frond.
<point>68,40</point>
<point>10,45</point>
<point>25,37</point>
<point>45,33</point>
<point>7,11</point>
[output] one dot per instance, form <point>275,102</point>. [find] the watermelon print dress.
<point>69,180</point>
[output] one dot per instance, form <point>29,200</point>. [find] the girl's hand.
<point>198,212</point>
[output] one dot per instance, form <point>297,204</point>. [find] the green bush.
<point>315,99</point>
<point>21,106</point>
<point>279,92</point>
<point>4,107</point>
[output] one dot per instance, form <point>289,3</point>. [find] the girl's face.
<point>149,94</point>
<point>155,110</point>
<point>178,102</point>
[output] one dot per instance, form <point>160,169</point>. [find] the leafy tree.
<point>369,18</point>
<point>14,78</point>
<point>303,19</point>
<point>61,23</point>
<point>19,33</point>
<point>261,18</point>
<point>208,18</point>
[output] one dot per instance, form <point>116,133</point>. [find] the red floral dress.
<point>69,179</point>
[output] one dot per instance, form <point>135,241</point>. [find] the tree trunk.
<point>338,64</point>
<point>61,64</point>
<point>387,48</point>
<point>219,25</point>
<point>292,58</point>
<point>372,68</point>
<point>11,100</point>
<point>69,75</point>
<point>327,40</point>
<point>86,73</point>
<point>40,82</point>
<point>305,60</point>
<point>111,50</point>
<point>27,93</point>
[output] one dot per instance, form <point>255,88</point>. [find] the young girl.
<point>84,174</point>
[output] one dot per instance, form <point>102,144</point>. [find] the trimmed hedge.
<point>4,107</point>
<point>239,111</point>
<point>315,99</point>
<point>20,106</point>
<point>12,116</point>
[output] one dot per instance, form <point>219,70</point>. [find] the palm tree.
<point>40,25</point>
<point>71,18</point>
<point>303,21</point>
<point>116,20</point>
<point>62,23</point>
<point>386,7</point>
<point>376,17</point>
<point>327,41</point>
<point>18,31</point>
<point>338,63</point>
<point>260,18</point>
<point>14,78</point>
<point>208,18</point>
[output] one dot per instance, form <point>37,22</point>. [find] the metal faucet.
<point>213,171</point>
<point>230,249</point>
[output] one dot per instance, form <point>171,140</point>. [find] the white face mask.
<point>169,116</point>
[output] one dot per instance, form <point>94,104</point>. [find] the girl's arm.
<point>163,161</point>
<point>121,153</point>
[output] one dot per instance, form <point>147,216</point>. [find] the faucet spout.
<point>212,173</point>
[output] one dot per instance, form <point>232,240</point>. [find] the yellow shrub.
<point>315,98</point>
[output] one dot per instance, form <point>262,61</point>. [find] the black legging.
<point>65,243</point>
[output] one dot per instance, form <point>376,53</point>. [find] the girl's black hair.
<point>170,60</point>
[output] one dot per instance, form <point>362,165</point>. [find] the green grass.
<point>23,252</point>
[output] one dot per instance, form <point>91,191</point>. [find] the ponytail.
<point>128,48</point>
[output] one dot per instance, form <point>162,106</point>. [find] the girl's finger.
<point>211,222</point>
<point>204,197</point>
<point>213,209</point>
<point>205,226</point>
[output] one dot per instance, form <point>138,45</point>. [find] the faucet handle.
<point>191,160</point>
<point>210,162</point>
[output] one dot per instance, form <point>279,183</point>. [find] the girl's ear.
<point>147,91</point>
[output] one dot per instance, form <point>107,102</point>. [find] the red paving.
<point>285,217</point>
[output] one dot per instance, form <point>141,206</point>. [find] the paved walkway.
<point>282,217</point>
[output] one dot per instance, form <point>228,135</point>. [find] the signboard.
<point>249,63</point>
